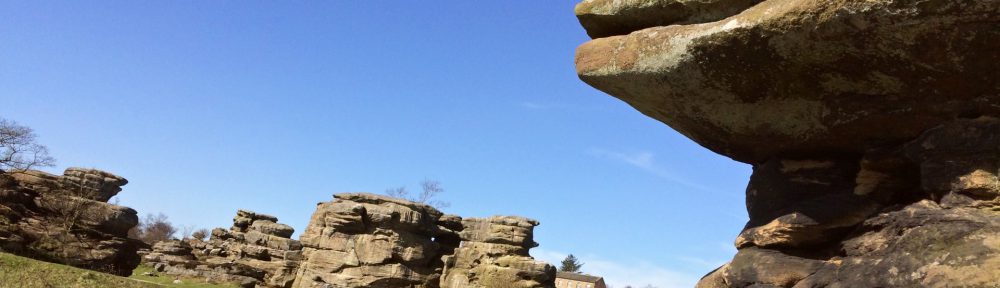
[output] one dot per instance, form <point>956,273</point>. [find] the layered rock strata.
<point>367,240</point>
<point>870,126</point>
<point>494,253</point>
<point>255,251</point>
<point>66,219</point>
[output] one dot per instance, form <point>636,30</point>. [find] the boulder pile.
<point>66,219</point>
<point>871,126</point>
<point>255,251</point>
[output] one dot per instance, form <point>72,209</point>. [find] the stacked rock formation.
<point>256,251</point>
<point>66,219</point>
<point>870,126</point>
<point>494,253</point>
<point>367,240</point>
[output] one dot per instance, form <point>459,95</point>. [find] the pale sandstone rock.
<point>367,240</point>
<point>494,253</point>
<point>255,251</point>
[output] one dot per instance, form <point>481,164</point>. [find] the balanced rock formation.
<point>871,126</point>
<point>797,78</point>
<point>256,251</point>
<point>494,253</point>
<point>66,219</point>
<point>367,240</point>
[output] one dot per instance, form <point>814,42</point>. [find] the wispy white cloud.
<point>646,162</point>
<point>636,273</point>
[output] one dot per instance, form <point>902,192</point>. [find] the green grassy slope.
<point>167,280</point>
<point>21,272</point>
<point>17,271</point>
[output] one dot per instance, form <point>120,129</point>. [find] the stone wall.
<point>66,219</point>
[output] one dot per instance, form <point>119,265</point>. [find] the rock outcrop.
<point>871,126</point>
<point>256,251</point>
<point>363,240</point>
<point>66,219</point>
<point>367,240</point>
<point>791,78</point>
<point>494,253</point>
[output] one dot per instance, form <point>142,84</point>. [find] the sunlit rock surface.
<point>255,252</point>
<point>66,219</point>
<point>494,253</point>
<point>871,126</point>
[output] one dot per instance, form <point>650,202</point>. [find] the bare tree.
<point>200,234</point>
<point>153,228</point>
<point>398,192</point>
<point>431,189</point>
<point>18,149</point>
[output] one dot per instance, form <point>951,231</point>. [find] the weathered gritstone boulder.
<point>870,124</point>
<point>790,78</point>
<point>65,219</point>
<point>256,251</point>
<point>603,18</point>
<point>80,182</point>
<point>367,240</point>
<point>494,253</point>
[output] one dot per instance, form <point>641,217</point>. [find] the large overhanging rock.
<point>790,78</point>
<point>871,126</point>
<point>66,219</point>
<point>603,18</point>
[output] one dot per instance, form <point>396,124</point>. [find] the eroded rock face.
<point>367,240</point>
<point>926,219</point>
<point>66,219</point>
<point>871,126</point>
<point>603,18</point>
<point>494,253</point>
<point>790,78</point>
<point>255,252</point>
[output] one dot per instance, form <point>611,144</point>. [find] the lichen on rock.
<point>871,127</point>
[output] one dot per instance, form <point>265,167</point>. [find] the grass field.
<point>20,272</point>
<point>167,280</point>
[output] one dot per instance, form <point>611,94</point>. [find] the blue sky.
<point>211,107</point>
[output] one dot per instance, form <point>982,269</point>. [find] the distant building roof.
<point>578,277</point>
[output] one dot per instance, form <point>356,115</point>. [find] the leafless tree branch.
<point>18,149</point>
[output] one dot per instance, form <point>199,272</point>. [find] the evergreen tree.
<point>570,264</point>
